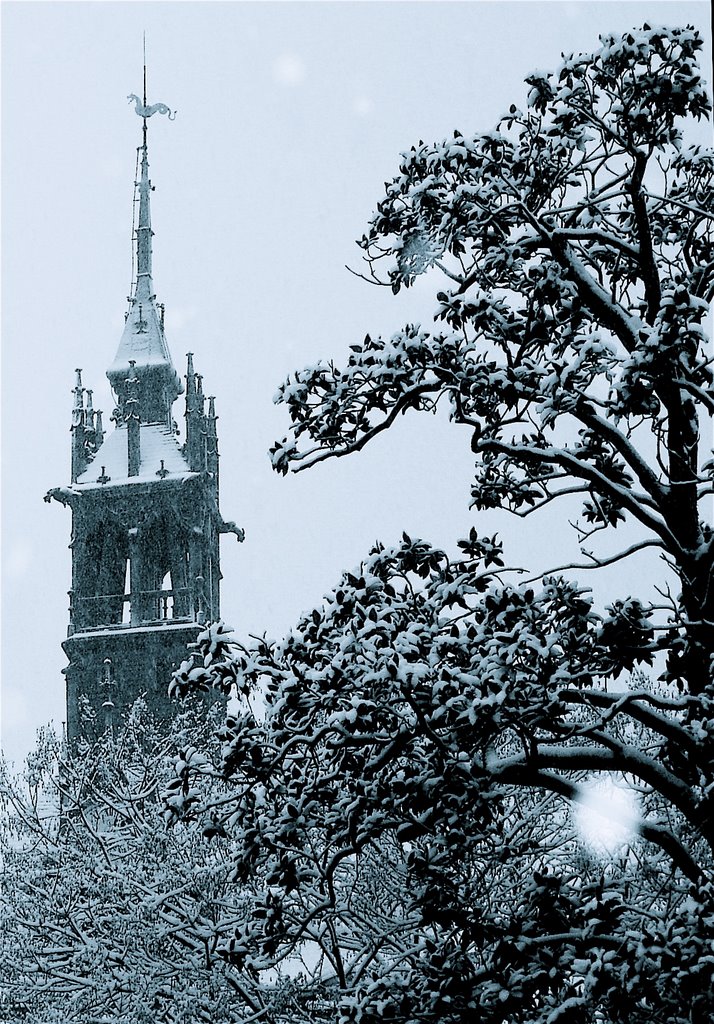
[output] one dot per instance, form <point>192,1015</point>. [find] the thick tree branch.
<point>610,314</point>
<point>625,759</point>
<point>650,274</point>
<point>527,776</point>
<point>604,428</point>
<point>404,402</point>
<point>634,503</point>
<point>630,704</point>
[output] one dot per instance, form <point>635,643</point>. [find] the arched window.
<point>126,604</point>
<point>166,598</point>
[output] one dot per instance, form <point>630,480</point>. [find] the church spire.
<point>143,231</point>
<point>143,344</point>
<point>144,286</point>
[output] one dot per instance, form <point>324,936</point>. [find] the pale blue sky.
<point>290,118</point>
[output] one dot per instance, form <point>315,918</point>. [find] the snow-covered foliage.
<point>399,807</point>
<point>107,915</point>
<point>405,791</point>
<point>424,736</point>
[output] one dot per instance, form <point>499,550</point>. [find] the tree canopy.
<point>430,724</point>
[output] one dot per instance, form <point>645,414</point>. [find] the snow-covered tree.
<point>106,913</point>
<point>403,804</point>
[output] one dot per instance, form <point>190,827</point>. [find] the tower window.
<point>126,603</point>
<point>166,598</point>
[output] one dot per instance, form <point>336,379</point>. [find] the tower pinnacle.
<point>144,233</point>
<point>144,286</point>
<point>143,342</point>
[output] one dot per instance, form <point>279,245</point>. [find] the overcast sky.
<point>290,118</point>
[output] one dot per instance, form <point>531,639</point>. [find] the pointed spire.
<point>194,407</point>
<point>79,454</point>
<point>144,284</point>
<point>143,231</point>
<point>78,399</point>
<point>212,441</point>
<point>143,340</point>
<point>190,376</point>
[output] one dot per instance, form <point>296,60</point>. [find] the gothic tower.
<point>145,515</point>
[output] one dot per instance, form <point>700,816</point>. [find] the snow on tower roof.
<point>110,465</point>
<point>143,339</point>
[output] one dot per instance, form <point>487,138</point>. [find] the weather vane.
<point>141,106</point>
<point>155,108</point>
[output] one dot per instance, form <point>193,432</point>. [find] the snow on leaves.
<point>434,710</point>
<point>424,730</point>
<point>573,250</point>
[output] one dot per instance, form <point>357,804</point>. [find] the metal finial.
<point>142,108</point>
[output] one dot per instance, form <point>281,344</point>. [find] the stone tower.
<point>145,514</point>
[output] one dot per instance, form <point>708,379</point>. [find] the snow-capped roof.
<point>142,341</point>
<point>157,442</point>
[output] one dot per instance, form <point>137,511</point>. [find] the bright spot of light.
<point>606,814</point>
<point>288,69</point>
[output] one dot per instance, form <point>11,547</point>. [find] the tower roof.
<point>143,340</point>
<point>161,458</point>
